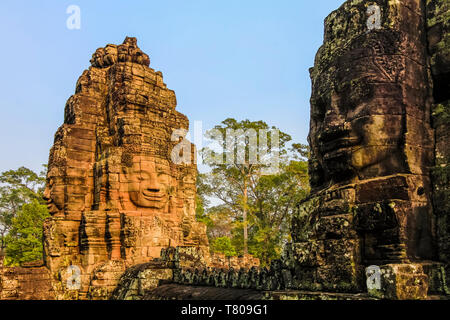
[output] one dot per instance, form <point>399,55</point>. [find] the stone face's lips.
<point>340,153</point>
<point>333,133</point>
<point>155,195</point>
<point>50,204</point>
<point>336,147</point>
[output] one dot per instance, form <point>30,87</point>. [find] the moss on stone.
<point>438,12</point>
<point>441,111</point>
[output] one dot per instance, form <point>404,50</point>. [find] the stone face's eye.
<point>142,175</point>
<point>318,109</point>
<point>145,175</point>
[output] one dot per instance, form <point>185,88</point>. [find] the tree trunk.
<point>244,217</point>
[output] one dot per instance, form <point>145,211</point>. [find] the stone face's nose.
<point>150,184</point>
<point>46,195</point>
<point>334,115</point>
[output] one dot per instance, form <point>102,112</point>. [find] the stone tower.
<point>372,145</point>
<point>115,195</point>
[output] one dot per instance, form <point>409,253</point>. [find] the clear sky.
<point>246,59</point>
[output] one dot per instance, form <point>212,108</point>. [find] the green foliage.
<point>21,203</point>
<point>222,220</point>
<point>265,243</point>
<point>201,201</point>
<point>300,151</point>
<point>237,237</point>
<point>24,240</point>
<point>235,169</point>
<point>223,245</point>
<point>441,113</point>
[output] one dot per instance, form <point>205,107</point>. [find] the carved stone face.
<point>110,54</point>
<point>189,188</point>
<point>357,128</point>
<point>122,51</point>
<point>150,183</point>
<point>54,192</point>
<point>97,57</point>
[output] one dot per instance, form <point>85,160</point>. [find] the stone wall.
<point>184,273</point>
<point>21,283</point>
<point>220,261</point>
<point>190,266</point>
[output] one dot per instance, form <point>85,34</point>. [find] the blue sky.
<point>245,59</point>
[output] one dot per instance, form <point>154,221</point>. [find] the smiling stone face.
<point>358,139</point>
<point>149,183</point>
<point>366,109</point>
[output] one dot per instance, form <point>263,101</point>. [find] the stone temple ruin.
<point>123,212</point>
<point>115,196</point>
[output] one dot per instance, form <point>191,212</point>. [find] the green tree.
<point>258,205</point>
<point>222,221</point>
<point>201,200</point>
<point>18,188</point>
<point>240,162</point>
<point>223,245</point>
<point>272,204</point>
<point>24,240</point>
